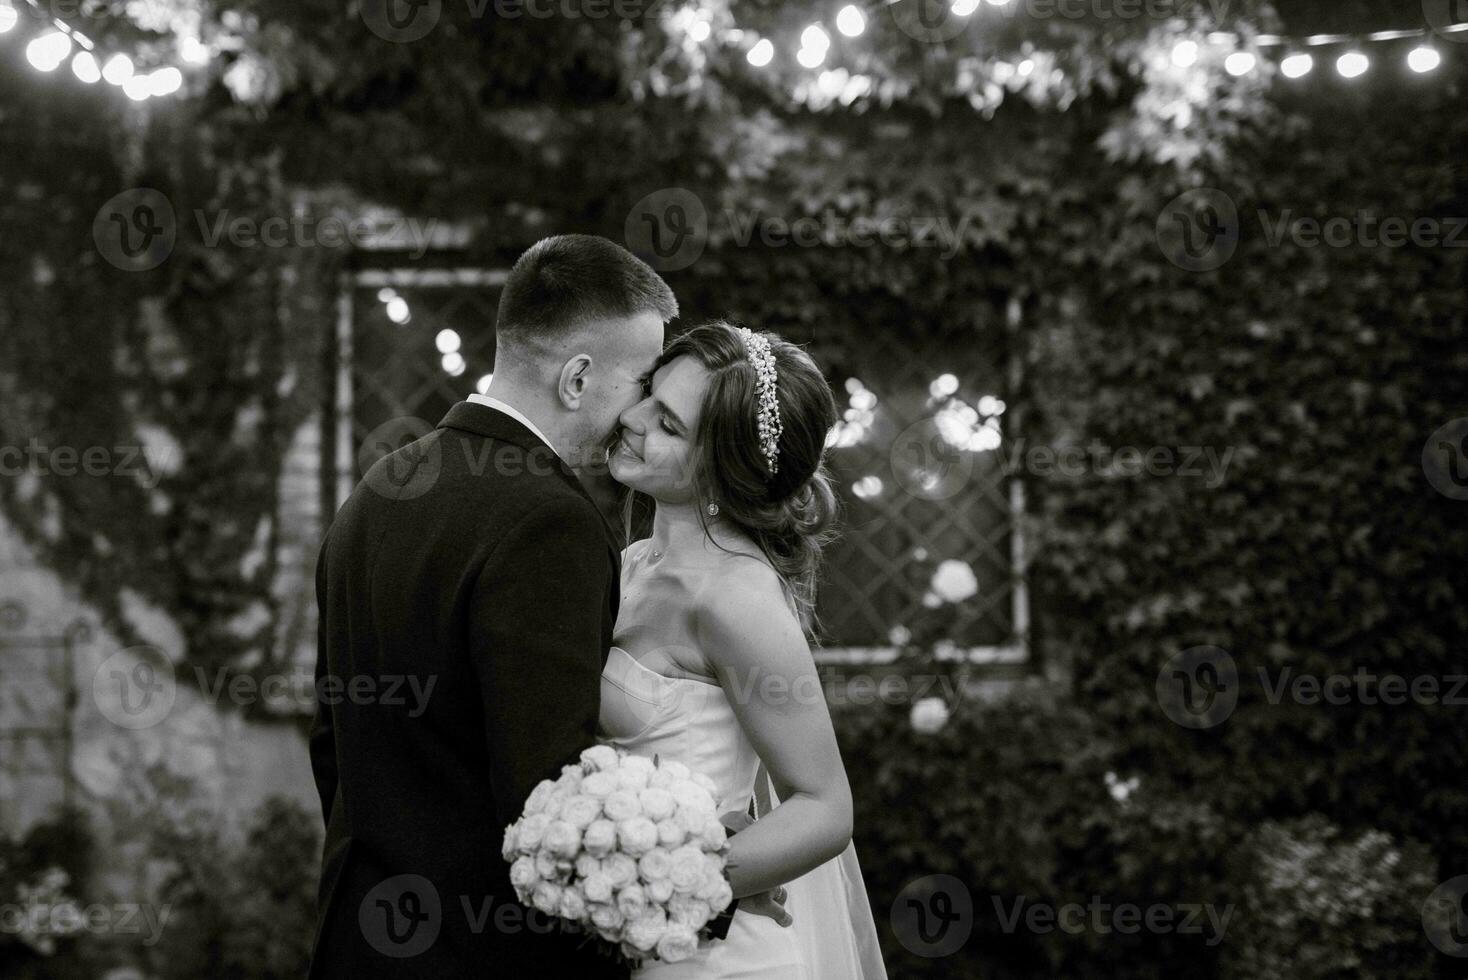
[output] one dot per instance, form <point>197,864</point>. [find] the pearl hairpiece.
<point>770,427</point>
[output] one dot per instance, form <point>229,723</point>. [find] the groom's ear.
<point>571,386</point>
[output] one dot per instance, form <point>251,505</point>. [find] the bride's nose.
<point>630,418</point>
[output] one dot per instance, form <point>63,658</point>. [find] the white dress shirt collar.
<point>513,413</point>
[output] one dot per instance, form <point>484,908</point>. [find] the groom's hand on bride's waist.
<point>770,904</point>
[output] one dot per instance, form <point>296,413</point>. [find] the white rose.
<point>587,865</point>
<point>536,801</point>
<point>691,819</point>
<point>691,795</point>
<point>686,910</point>
<point>641,763</point>
<point>714,834</point>
<point>660,891</point>
<point>619,869</point>
<point>532,829</point>
<point>523,873</point>
<point>571,776</point>
<point>670,835</point>
<point>660,779</point>
<point>722,896</point>
<point>547,897</point>
<point>631,779</point>
<point>507,850</point>
<point>599,784</point>
<point>546,865</point>
<point>632,901</point>
<point>562,839</point>
<point>555,801</point>
<point>954,581</point>
<point>654,865</point>
<point>713,874</point>
<point>622,805</point>
<point>657,803</point>
<point>687,868</point>
<point>600,837</point>
<point>605,916</point>
<point>573,905</point>
<point>678,942</point>
<point>929,715</point>
<point>598,887</point>
<point>637,836</point>
<point>644,931</point>
<point>580,810</point>
<point>600,757</point>
<point>677,770</point>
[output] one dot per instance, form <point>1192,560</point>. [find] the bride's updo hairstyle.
<point>761,458</point>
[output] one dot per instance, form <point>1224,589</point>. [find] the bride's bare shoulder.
<point>741,611</point>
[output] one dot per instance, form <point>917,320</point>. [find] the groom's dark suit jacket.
<point>473,560</point>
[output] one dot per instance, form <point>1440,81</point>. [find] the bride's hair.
<point>791,513</point>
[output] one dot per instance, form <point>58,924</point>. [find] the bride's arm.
<point>764,664</point>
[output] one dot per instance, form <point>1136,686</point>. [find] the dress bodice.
<point>678,718</point>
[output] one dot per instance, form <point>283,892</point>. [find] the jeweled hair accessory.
<point>770,426</point>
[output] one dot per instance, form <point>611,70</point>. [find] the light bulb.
<point>1351,64</point>
<point>84,66</point>
<point>851,21</point>
<point>165,81</point>
<point>47,52</point>
<point>1239,63</point>
<point>118,69</point>
<point>1185,54</point>
<point>762,52</point>
<point>811,57</point>
<point>1423,59</point>
<point>1297,65</point>
<point>8,16</point>
<point>815,37</point>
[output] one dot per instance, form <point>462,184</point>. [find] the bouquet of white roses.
<point>626,848</point>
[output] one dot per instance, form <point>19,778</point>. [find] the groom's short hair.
<point>566,280</point>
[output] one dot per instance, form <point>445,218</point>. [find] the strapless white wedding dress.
<point>693,722</point>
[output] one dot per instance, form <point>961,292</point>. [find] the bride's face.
<point>655,453</point>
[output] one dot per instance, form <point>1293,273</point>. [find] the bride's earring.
<point>712,509</point>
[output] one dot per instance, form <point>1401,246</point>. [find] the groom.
<point>474,561</point>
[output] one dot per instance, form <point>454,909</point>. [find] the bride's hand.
<point>770,904</point>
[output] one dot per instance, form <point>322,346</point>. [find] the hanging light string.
<point>851,21</point>
<point>57,42</point>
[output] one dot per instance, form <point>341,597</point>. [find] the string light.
<point>1423,59</point>
<point>8,16</point>
<point>850,21</point>
<point>762,52</point>
<point>84,67</point>
<point>118,69</point>
<point>47,52</point>
<point>1239,63</point>
<point>1297,65</point>
<point>1185,54</point>
<point>1352,63</point>
<point>699,31</point>
<point>962,8</point>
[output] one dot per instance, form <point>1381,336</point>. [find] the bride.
<point>712,666</point>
